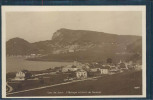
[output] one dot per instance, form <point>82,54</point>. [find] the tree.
<point>109,60</point>
<point>122,65</point>
<point>98,71</point>
<point>27,74</point>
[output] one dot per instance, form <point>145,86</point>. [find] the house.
<point>57,69</point>
<point>93,74</point>
<point>20,76</point>
<point>56,52</point>
<point>73,68</point>
<point>113,71</point>
<point>86,67</point>
<point>66,68</point>
<point>81,74</point>
<point>104,70</point>
<point>122,66</point>
<point>112,66</point>
<point>129,66</point>
<point>69,68</point>
<point>32,55</point>
<point>138,67</point>
<point>94,69</point>
<point>70,50</point>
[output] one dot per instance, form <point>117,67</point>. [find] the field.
<point>128,83</point>
<point>46,80</point>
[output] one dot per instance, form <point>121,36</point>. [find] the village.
<point>25,79</point>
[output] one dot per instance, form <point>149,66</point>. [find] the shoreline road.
<point>10,89</point>
<point>51,85</point>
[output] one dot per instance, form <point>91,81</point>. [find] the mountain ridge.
<point>73,35</point>
<point>67,42</point>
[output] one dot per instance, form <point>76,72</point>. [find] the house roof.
<point>80,70</point>
<point>113,70</point>
<point>105,67</point>
<point>74,66</point>
<point>97,65</point>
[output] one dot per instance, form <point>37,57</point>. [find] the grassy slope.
<point>119,84</point>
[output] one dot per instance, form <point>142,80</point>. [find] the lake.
<point>14,64</point>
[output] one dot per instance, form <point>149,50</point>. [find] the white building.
<point>138,67</point>
<point>104,70</point>
<point>69,68</point>
<point>81,74</point>
<point>76,63</point>
<point>65,69</point>
<point>20,76</point>
<point>113,71</point>
<point>73,69</point>
<point>71,50</point>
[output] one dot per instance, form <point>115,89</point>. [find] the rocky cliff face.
<point>83,36</point>
<point>77,40</point>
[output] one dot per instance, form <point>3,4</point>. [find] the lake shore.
<point>15,64</point>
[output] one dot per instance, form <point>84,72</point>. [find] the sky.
<point>40,26</point>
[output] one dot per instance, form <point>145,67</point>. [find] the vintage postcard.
<point>73,51</point>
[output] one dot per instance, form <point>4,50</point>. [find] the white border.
<point>74,8</point>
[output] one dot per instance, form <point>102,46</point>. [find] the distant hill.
<point>18,46</point>
<point>67,45</point>
<point>67,36</point>
<point>135,47</point>
<point>44,47</point>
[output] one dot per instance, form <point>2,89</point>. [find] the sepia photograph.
<point>73,51</point>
